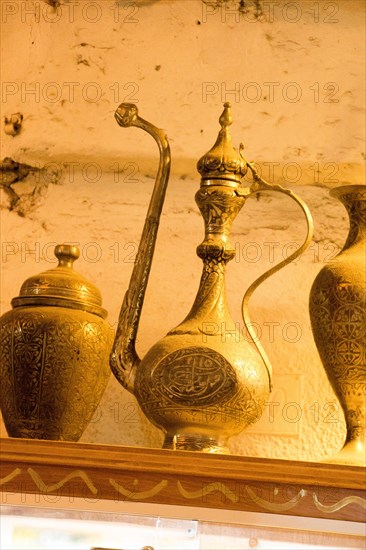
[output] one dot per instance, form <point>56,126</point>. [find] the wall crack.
<point>23,198</point>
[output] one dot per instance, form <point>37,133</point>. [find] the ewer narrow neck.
<point>354,199</point>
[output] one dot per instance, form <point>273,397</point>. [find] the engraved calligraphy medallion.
<point>194,376</point>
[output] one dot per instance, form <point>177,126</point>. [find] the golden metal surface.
<point>124,358</point>
<point>61,286</point>
<point>203,382</point>
<point>338,318</point>
<point>55,346</point>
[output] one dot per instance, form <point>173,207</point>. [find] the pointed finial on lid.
<point>226,119</point>
<point>223,161</point>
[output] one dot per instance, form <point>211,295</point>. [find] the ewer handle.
<point>261,185</point>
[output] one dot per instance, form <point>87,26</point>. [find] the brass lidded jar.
<point>55,346</point>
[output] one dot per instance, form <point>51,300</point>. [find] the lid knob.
<point>66,255</point>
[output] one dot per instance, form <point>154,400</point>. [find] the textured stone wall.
<point>179,61</point>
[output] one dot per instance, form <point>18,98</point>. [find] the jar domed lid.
<point>61,286</point>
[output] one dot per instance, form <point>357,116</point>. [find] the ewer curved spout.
<point>124,358</point>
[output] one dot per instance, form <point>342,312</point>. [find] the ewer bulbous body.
<point>203,382</point>
<point>55,346</point>
<point>338,317</point>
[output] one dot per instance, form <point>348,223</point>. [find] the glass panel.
<point>24,532</point>
<point>178,534</point>
<point>235,537</point>
<point>55,528</point>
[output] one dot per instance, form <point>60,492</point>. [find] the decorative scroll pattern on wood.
<point>139,495</point>
<point>178,487</point>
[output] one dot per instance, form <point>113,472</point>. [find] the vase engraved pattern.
<point>54,370</point>
<point>338,316</point>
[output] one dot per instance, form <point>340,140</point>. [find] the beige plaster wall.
<point>167,56</point>
<point>295,77</point>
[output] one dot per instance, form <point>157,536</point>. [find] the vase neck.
<point>355,202</point>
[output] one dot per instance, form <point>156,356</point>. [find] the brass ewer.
<point>203,382</point>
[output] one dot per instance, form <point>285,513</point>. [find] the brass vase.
<point>203,382</point>
<point>54,356</point>
<point>338,318</point>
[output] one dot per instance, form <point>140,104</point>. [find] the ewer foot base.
<point>195,442</point>
<point>353,453</point>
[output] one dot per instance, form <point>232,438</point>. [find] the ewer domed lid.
<point>223,161</point>
<point>61,286</point>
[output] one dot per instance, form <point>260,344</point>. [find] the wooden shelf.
<point>182,478</point>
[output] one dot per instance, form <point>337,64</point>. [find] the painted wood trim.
<point>135,474</point>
